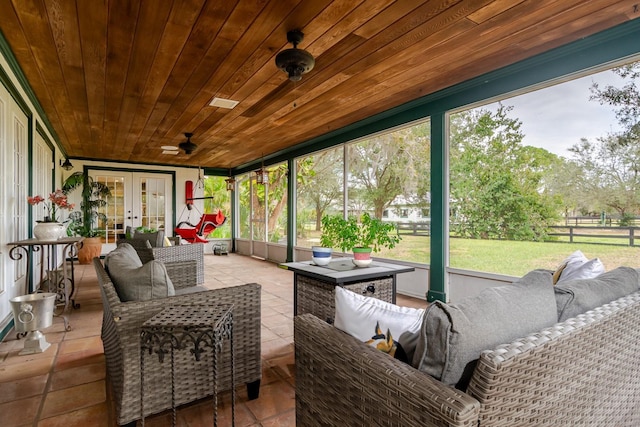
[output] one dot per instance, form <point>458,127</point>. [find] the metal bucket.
<point>33,312</point>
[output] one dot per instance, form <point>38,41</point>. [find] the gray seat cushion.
<point>453,336</point>
<point>574,297</point>
<point>135,281</point>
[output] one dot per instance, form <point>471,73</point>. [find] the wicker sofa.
<point>120,336</point>
<point>583,371</point>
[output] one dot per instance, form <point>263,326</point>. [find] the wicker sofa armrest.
<point>192,252</point>
<point>183,274</point>
<point>342,381</point>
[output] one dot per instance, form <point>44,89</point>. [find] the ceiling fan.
<point>295,62</point>
<point>188,146</point>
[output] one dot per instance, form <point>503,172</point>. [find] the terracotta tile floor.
<point>65,385</point>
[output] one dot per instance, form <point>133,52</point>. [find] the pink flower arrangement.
<point>57,201</point>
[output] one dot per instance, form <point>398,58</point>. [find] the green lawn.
<point>511,258</point>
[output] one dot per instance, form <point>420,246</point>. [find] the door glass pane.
<point>114,210</point>
<point>152,203</point>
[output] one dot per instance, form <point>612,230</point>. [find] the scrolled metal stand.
<point>176,328</point>
<point>52,280</point>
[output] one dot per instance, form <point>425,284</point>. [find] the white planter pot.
<point>48,231</point>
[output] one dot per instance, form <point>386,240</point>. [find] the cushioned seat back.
<point>583,369</point>
<point>135,281</point>
<point>142,247</point>
<point>156,238</point>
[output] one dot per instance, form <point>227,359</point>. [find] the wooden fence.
<point>626,235</point>
<point>414,228</point>
<point>623,236</point>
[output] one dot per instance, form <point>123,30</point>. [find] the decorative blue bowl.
<point>321,255</point>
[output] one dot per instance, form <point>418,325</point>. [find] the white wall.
<point>14,188</point>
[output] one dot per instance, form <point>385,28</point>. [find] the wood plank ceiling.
<point>118,79</point>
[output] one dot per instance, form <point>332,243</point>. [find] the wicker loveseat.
<point>583,371</point>
<point>120,335</point>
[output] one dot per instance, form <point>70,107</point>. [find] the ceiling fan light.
<point>295,62</point>
<point>187,146</point>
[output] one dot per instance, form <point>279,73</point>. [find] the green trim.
<point>433,295</point>
<point>291,207</point>
<point>41,131</point>
<point>13,91</point>
<point>216,171</point>
<point>6,330</point>
<point>234,223</point>
<point>361,250</point>
<point>439,214</point>
<point>7,53</point>
<point>30,143</point>
<point>167,165</point>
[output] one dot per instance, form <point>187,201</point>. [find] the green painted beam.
<point>291,207</point>
<point>439,214</point>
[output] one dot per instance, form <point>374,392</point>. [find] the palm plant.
<point>94,196</point>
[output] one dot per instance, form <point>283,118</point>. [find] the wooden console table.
<point>314,285</point>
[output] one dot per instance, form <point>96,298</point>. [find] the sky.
<point>555,118</point>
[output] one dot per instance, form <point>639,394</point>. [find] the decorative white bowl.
<point>362,262</point>
<point>321,261</point>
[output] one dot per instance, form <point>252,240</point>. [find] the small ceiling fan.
<point>187,146</point>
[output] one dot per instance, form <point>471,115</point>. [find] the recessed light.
<point>223,103</point>
<point>169,147</point>
<point>169,152</point>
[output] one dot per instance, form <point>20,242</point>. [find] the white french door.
<point>138,199</point>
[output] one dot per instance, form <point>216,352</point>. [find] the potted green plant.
<point>86,222</point>
<point>361,235</point>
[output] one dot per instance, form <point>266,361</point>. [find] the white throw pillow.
<point>578,266</point>
<point>359,316</point>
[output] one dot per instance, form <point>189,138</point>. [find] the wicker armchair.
<point>120,335</point>
<point>583,371</point>
<point>171,254</point>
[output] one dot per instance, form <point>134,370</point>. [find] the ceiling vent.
<point>223,103</point>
